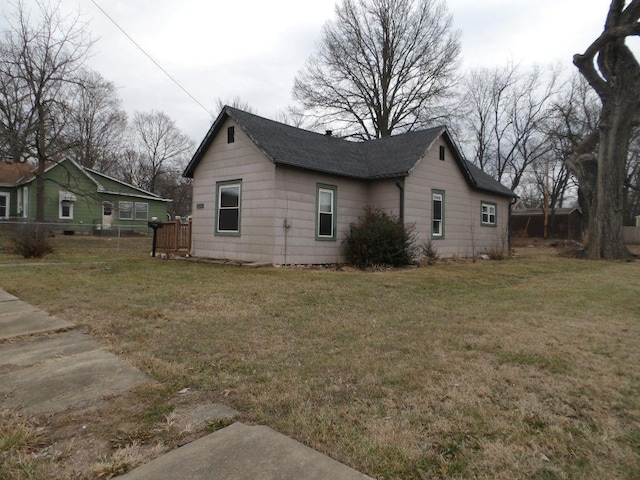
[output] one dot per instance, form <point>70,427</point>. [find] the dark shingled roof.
<point>389,157</point>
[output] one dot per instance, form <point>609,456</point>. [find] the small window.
<point>4,205</point>
<point>489,214</point>
<point>442,150</point>
<point>437,214</point>
<point>142,211</point>
<point>66,209</point>
<point>126,210</point>
<point>107,209</point>
<point>231,134</point>
<point>326,212</point>
<point>228,208</point>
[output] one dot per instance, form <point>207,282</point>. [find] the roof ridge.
<point>389,157</point>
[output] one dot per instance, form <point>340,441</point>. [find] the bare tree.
<point>160,148</point>
<point>383,66</point>
<point>235,102</point>
<point>614,73</point>
<point>632,182</point>
<point>17,119</point>
<point>573,117</point>
<point>96,123</point>
<point>40,59</point>
<point>507,108</point>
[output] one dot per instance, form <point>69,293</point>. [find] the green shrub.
<point>380,239</point>
<point>31,241</point>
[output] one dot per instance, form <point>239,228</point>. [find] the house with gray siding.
<point>264,191</point>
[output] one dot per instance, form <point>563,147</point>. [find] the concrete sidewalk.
<point>241,452</point>
<point>46,367</point>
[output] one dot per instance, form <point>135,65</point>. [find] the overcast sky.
<point>252,49</point>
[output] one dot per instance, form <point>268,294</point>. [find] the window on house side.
<point>66,209</point>
<point>228,208</point>
<point>437,214</point>
<point>231,134</point>
<point>326,218</point>
<point>4,205</point>
<point>142,211</point>
<point>488,214</point>
<point>125,210</point>
<point>442,150</point>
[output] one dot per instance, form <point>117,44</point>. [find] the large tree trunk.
<point>616,80</point>
<point>605,234</point>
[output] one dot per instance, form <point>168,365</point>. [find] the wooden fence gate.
<point>174,236</point>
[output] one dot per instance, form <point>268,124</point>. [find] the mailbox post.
<point>154,224</point>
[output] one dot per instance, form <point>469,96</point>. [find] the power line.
<point>151,58</point>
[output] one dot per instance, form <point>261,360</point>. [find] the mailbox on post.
<point>154,224</point>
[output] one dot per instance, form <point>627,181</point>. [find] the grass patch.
<point>516,369</point>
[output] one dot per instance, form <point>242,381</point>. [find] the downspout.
<point>400,185</point>
<point>511,204</point>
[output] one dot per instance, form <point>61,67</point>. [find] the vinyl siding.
<point>87,209</point>
<point>463,233</point>
<point>274,196</point>
<point>385,194</point>
<point>296,203</point>
<point>240,160</point>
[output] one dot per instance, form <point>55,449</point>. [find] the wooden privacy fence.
<point>174,236</point>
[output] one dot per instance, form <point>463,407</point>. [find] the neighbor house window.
<point>125,210</point>
<point>4,205</point>
<point>228,203</point>
<point>489,214</point>
<point>66,209</point>
<point>437,214</point>
<point>326,212</point>
<point>142,211</point>
<point>66,199</point>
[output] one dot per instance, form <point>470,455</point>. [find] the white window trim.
<point>437,197</point>
<point>222,186</point>
<point>135,211</point>
<point>60,210</point>
<point>8,204</point>
<point>25,202</point>
<point>490,210</point>
<point>331,211</point>
<point>19,205</point>
<point>120,210</point>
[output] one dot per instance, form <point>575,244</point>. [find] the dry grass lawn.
<point>523,368</point>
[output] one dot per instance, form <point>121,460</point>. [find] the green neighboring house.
<point>76,198</point>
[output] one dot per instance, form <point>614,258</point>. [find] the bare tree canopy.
<point>614,73</point>
<point>160,149</point>
<point>96,123</point>
<point>383,66</point>
<point>504,113</point>
<point>39,59</point>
